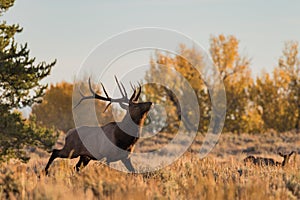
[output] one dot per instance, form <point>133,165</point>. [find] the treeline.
<point>254,105</point>
<point>269,101</point>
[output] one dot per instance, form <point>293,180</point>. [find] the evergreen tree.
<point>19,87</point>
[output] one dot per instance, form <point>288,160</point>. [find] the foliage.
<point>166,67</point>
<point>5,4</point>
<point>234,71</point>
<point>19,87</point>
<point>278,95</point>
<point>236,75</point>
<point>272,101</point>
<point>289,64</point>
<point>56,107</point>
<point>172,69</point>
<point>17,134</point>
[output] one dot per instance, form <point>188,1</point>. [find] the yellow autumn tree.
<point>277,95</point>
<point>236,75</point>
<point>56,108</point>
<point>289,65</point>
<point>272,101</point>
<point>168,67</point>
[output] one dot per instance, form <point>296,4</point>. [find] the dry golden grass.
<point>222,175</point>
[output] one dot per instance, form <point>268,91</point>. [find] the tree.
<point>56,108</point>
<point>236,75</point>
<point>278,95</point>
<point>289,63</point>
<point>272,101</point>
<point>234,71</point>
<point>166,67</point>
<point>19,87</point>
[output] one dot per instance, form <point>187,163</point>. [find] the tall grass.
<point>187,178</point>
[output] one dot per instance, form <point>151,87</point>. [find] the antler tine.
<point>132,96</point>
<point>104,90</point>
<point>134,92</point>
<point>97,96</point>
<point>139,93</point>
<point>94,95</point>
<point>119,86</point>
<point>106,107</point>
<point>90,86</point>
<point>133,88</point>
<point>80,92</point>
<point>82,98</point>
<point>124,90</point>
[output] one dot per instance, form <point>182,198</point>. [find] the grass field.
<point>221,175</point>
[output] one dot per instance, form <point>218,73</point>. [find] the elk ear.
<point>292,153</point>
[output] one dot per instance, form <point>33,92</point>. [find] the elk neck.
<point>128,131</point>
<point>132,126</point>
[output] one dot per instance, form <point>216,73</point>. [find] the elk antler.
<point>123,99</point>
<point>135,96</point>
<point>139,93</point>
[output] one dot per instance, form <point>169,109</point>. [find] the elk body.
<point>113,141</point>
<point>269,161</point>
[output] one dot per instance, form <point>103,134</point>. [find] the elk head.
<point>286,158</point>
<point>135,111</point>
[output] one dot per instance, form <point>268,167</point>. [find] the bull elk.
<point>122,135</point>
<point>269,161</point>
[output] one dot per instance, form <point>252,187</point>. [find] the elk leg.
<point>63,153</point>
<point>53,156</point>
<point>84,160</point>
<point>128,164</point>
<point>79,163</point>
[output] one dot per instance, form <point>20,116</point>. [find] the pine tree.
<point>19,87</point>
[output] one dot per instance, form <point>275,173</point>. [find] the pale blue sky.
<point>68,30</point>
